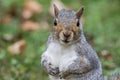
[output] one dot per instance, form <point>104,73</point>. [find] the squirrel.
<point>68,55</point>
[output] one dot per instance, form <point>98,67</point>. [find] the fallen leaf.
<point>31,7</point>
<point>7,37</point>
<point>29,26</point>
<point>9,14</point>
<point>26,14</point>
<point>106,54</point>
<point>11,37</point>
<point>17,47</point>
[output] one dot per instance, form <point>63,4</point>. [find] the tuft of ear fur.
<point>56,10</point>
<point>79,12</point>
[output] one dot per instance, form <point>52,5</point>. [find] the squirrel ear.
<point>79,13</point>
<point>56,10</point>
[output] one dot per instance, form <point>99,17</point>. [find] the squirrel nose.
<point>66,35</point>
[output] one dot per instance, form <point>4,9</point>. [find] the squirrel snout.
<point>66,34</point>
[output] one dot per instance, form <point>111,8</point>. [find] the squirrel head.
<point>67,25</point>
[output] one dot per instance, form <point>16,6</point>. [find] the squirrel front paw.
<point>63,74</point>
<point>50,69</point>
<point>53,71</point>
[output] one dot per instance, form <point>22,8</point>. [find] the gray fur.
<point>90,71</point>
<point>78,69</point>
<point>67,17</point>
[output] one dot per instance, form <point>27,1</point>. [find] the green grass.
<point>101,21</point>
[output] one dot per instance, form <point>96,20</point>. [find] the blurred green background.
<point>26,24</point>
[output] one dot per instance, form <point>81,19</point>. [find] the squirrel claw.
<point>54,71</point>
<point>63,75</point>
<point>60,76</point>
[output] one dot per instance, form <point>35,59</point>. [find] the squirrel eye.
<point>55,23</point>
<point>78,23</point>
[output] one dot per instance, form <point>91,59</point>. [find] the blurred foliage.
<point>101,26</point>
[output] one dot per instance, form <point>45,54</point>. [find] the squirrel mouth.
<point>66,41</point>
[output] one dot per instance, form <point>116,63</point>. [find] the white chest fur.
<point>60,55</point>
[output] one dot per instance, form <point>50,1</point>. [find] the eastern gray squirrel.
<point>68,55</point>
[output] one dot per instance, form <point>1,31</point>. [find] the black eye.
<point>78,24</point>
<point>55,23</point>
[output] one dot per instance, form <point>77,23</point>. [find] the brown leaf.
<point>33,6</point>
<point>26,14</point>
<point>106,54</point>
<point>7,37</point>
<point>29,26</point>
<point>11,38</point>
<point>17,47</point>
